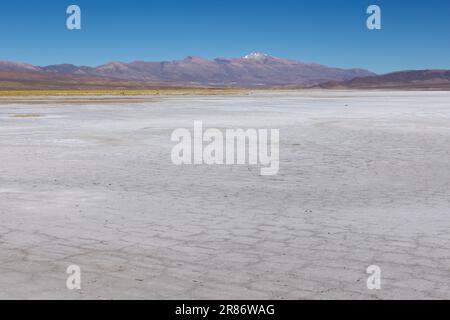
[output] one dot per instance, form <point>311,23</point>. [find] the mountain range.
<point>252,71</point>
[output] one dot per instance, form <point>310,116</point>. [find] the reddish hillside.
<point>417,79</point>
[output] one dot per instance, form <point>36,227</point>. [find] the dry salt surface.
<point>364,180</point>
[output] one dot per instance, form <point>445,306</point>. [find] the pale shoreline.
<point>136,96</point>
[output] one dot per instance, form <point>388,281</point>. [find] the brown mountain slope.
<point>46,81</point>
<point>415,79</point>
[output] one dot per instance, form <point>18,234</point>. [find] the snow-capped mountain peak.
<point>256,56</point>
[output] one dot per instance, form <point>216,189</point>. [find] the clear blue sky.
<point>415,34</point>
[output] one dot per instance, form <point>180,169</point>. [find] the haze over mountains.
<point>253,70</point>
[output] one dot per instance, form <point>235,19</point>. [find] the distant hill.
<point>416,79</point>
<point>253,70</point>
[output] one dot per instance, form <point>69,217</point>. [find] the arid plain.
<point>364,180</point>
